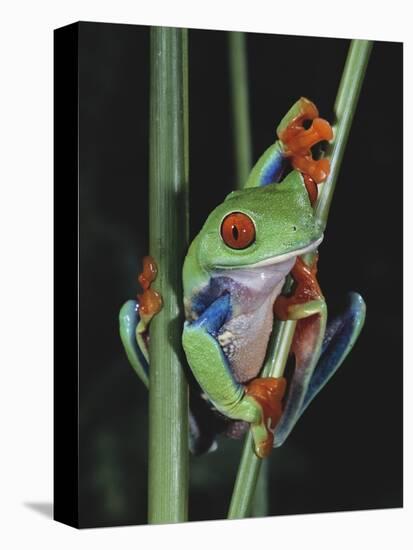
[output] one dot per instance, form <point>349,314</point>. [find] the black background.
<point>346,451</point>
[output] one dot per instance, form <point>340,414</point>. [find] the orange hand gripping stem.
<point>269,393</point>
<point>150,301</point>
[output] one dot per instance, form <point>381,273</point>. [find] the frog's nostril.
<point>294,228</point>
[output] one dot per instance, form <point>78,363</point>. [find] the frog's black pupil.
<point>235,233</point>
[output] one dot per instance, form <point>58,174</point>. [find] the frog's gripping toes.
<point>298,141</point>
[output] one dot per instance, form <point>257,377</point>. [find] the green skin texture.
<point>285,225</point>
<point>275,210</point>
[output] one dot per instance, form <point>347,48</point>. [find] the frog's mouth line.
<point>281,258</point>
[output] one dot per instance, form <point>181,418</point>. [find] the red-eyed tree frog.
<point>233,277</point>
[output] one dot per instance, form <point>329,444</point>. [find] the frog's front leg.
<point>259,403</point>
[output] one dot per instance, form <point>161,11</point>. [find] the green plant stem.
<point>344,109</point>
<point>240,106</point>
<point>250,464</point>
<point>168,241</point>
<point>259,506</point>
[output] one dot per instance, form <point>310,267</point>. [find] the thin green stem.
<point>250,464</point>
<point>259,506</point>
<point>240,105</point>
<point>168,240</point>
<point>344,109</point>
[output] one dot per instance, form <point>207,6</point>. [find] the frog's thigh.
<point>306,346</point>
<point>210,367</point>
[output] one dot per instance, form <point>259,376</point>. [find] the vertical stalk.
<point>240,105</point>
<point>168,240</point>
<point>344,109</point>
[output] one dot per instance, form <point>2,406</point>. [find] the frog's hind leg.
<point>341,335</point>
<point>307,306</point>
<point>307,344</point>
<point>313,372</point>
<point>132,335</point>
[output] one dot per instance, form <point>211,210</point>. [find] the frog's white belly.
<point>244,338</point>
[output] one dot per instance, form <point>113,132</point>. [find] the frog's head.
<point>259,226</point>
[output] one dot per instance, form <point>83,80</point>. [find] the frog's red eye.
<point>238,230</point>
